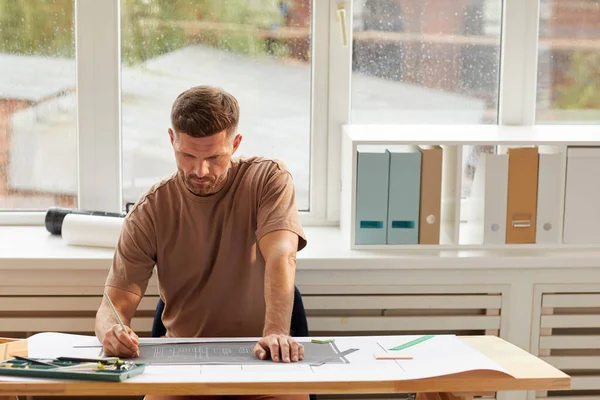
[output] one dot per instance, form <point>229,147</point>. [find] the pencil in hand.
<point>130,342</point>
<point>114,310</point>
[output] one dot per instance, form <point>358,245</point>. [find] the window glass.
<point>38,148</point>
<point>426,61</point>
<point>568,87</point>
<point>259,51</point>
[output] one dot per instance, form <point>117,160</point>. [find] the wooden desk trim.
<point>548,378</point>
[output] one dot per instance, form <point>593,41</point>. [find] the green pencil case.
<point>24,369</point>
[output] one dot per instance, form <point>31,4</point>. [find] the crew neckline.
<point>207,199</point>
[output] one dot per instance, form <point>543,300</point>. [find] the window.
<point>97,139</point>
<point>38,166</point>
<point>260,51</point>
<point>568,86</point>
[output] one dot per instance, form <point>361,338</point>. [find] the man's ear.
<point>171,135</point>
<point>236,142</point>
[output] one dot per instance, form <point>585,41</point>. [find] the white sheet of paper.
<point>55,344</point>
<point>362,366</point>
<point>218,373</point>
<point>441,355</point>
<point>170,374</point>
<point>287,368</point>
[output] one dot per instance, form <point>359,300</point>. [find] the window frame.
<point>517,84</point>
<point>97,41</point>
<point>98,59</point>
<point>320,53</point>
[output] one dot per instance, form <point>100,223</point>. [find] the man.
<point>223,234</point>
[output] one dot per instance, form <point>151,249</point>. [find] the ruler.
<point>412,342</point>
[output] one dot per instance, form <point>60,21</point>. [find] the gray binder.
<point>404,195</point>
<point>371,195</point>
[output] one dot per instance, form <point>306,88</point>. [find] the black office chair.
<point>298,328</point>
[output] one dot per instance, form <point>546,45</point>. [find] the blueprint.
<point>228,353</point>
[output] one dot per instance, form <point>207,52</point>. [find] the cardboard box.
<point>10,347</point>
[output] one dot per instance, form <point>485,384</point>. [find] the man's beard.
<point>206,189</point>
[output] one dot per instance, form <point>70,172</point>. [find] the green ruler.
<point>412,342</point>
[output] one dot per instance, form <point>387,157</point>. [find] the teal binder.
<point>404,195</point>
<point>371,195</point>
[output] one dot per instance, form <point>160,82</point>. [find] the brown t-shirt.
<point>210,268</point>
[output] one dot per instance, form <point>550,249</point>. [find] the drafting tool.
<point>151,344</point>
<point>114,310</point>
<point>322,341</point>
<point>412,342</point>
<point>33,361</point>
<point>103,360</point>
<point>227,353</point>
<point>337,357</point>
<point>86,366</point>
<point>392,355</point>
<point>112,371</point>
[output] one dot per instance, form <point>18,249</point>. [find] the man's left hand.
<point>279,347</point>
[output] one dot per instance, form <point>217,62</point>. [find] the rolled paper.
<point>91,230</point>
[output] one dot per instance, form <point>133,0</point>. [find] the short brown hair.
<point>204,111</point>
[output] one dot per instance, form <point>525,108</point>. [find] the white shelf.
<point>454,234</point>
<point>467,244</point>
<point>541,135</point>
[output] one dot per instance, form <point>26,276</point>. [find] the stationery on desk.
<point>326,359</point>
<point>114,310</point>
<point>19,364</point>
<point>438,363</point>
<point>89,369</point>
<point>398,352</point>
<point>392,355</point>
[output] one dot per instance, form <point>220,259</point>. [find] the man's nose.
<point>201,168</point>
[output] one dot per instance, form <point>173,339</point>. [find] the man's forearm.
<point>125,304</point>
<point>105,319</point>
<point>279,295</point>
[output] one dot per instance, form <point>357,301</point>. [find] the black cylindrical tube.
<point>55,216</point>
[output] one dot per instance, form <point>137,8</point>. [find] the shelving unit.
<point>454,234</point>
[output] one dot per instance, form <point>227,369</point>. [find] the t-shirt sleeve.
<point>135,256</point>
<point>277,207</point>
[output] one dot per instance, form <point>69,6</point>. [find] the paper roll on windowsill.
<point>91,230</point>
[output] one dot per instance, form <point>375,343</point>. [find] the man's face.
<point>203,162</point>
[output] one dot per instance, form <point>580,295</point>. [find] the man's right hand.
<point>117,343</point>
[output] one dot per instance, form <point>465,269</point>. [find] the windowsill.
<point>32,247</point>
